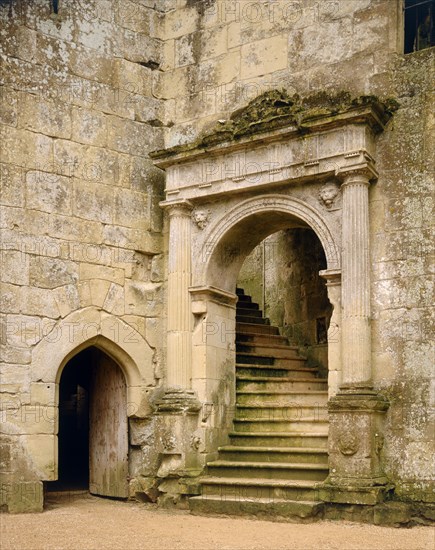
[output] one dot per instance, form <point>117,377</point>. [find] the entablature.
<point>290,146</point>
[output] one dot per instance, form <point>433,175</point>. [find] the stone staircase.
<point>277,455</point>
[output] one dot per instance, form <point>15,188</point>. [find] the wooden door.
<point>108,429</point>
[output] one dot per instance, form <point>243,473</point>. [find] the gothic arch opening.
<point>93,426</point>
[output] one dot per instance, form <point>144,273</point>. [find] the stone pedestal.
<point>356,420</point>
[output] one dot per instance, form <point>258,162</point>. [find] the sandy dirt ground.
<point>88,523</point>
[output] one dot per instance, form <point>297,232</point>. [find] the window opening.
<point>419,25</point>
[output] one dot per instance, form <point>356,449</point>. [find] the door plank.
<point>108,429</point>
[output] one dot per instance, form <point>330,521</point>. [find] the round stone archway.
<point>238,231</point>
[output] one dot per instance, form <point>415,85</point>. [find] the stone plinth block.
<point>356,439</point>
<point>21,496</point>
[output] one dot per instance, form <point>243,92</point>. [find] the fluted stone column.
<point>356,345</point>
<point>357,411</point>
<point>179,322</point>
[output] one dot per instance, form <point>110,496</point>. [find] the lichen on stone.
<point>277,109</point>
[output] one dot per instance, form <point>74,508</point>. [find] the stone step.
<point>268,508</point>
<point>299,426</point>
<point>274,454</point>
<point>258,338</point>
<point>273,371</point>
<point>281,397</point>
<point>248,312</point>
<point>287,413</point>
<point>257,359</point>
<point>279,439</point>
<point>267,470</point>
<point>268,350</point>
<point>244,300</point>
<point>252,319</point>
<point>240,291</point>
<point>247,305</point>
<point>283,383</point>
<point>260,488</point>
<point>256,328</point>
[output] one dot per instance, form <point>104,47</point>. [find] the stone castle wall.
<point>225,54</point>
<point>89,92</point>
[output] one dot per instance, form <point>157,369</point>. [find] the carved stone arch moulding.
<point>269,203</point>
<point>93,327</point>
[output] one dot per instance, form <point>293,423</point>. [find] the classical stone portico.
<point>281,162</point>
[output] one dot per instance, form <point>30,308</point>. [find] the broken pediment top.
<point>277,109</point>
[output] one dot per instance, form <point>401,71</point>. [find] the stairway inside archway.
<point>277,456</point>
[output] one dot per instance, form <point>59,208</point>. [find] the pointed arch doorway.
<point>93,426</point>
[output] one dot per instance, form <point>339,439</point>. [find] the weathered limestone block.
<point>133,137</point>
<point>29,300</point>
<point>42,449</point>
<point>47,117</point>
<point>22,496</point>
<point>135,239</point>
<point>143,298</point>
<point>264,56</point>
<point>134,78</point>
<point>82,231</point>
<point>29,419</point>
<point>15,266</point>
<point>15,378</point>
<point>179,22</point>
<point>17,355</point>
<point>140,48</point>
<point>11,185</point>
<point>103,272</point>
<point>133,16</point>
<point>67,298</point>
<point>8,106</point>
<point>44,392</point>
<point>138,323</point>
<point>93,201</point>
<point>52,272</point>
<point>89,127</point>
<point>25,330</point>
<point>48,192</point>
<point>99,289</point>
<point>154,331</point>
<point>129,209</point>
<point>92,65</point>
<point>35,148</point>
<point>115,300</point>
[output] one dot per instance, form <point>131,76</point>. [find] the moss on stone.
<point>277,109</point>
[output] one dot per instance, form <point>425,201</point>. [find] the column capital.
<point>331,276</point>
<point>181,207</point>
<point>362,173</point>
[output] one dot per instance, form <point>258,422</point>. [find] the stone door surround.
<point>279,162</point>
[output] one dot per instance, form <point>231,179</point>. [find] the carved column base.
<point>178,445</point>
<point>177,401</point>
<point>356,418</point>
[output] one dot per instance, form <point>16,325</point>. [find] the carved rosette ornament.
<point>348,444</point>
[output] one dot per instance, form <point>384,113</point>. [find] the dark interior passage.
<point>93,426</point>
<point>73,437</point>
